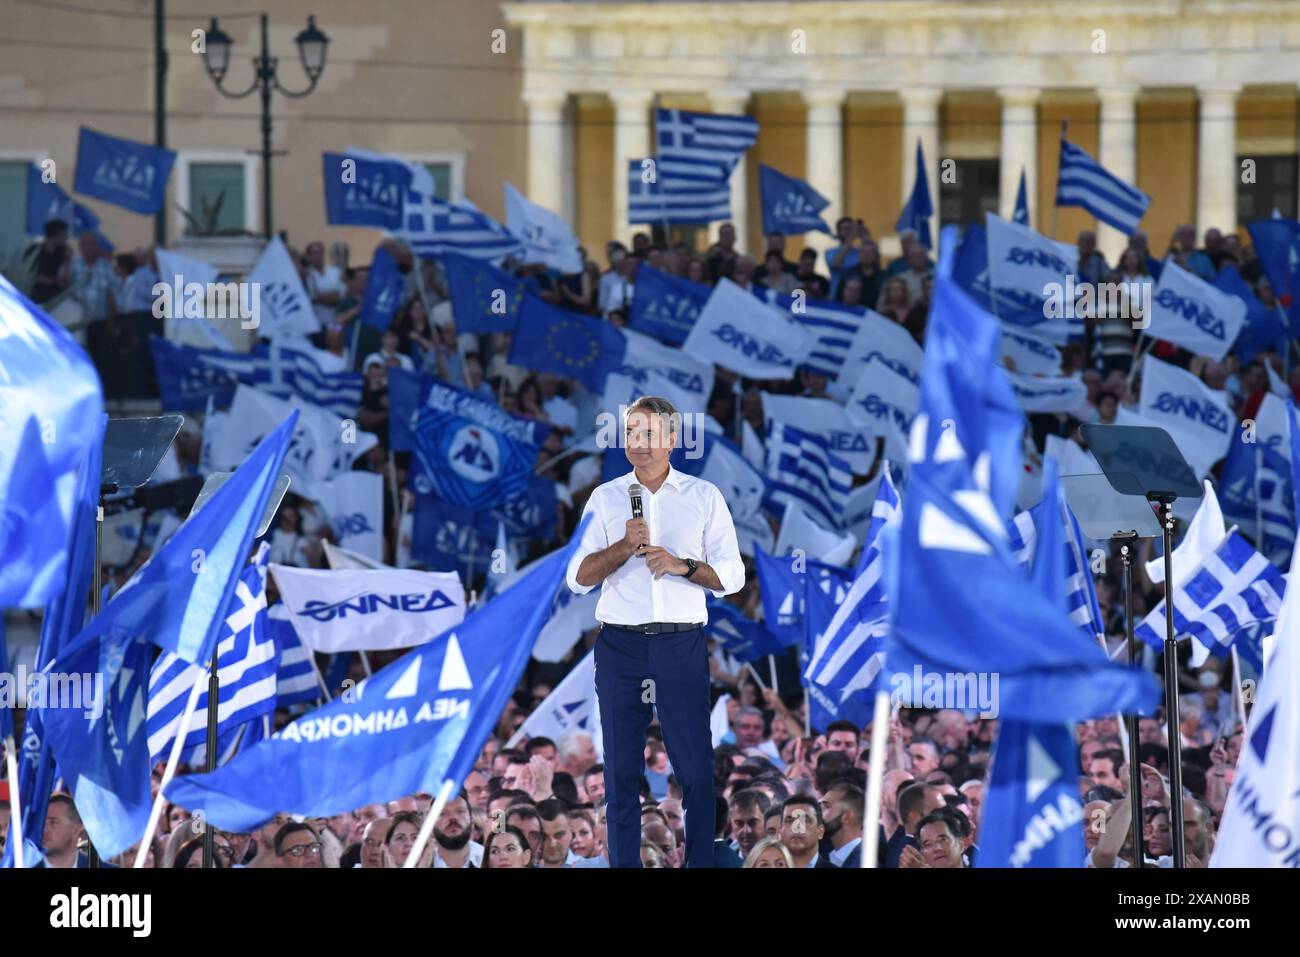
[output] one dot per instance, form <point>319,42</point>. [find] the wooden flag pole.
<point>174,759</point>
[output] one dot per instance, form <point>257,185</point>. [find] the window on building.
<point>973,194</point>
<point>13,204</point>
<point>1274,188</point>
<point>213,183</point>
<point>441,173</point>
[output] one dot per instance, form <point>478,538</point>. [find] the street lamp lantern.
<point>312,44</point>
<point>216,52</point>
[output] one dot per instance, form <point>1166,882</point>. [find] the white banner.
<point>324,446</point>
<point>1189,312</point>
<point>741,333</point>
<point>688,378</point>
<point>800,530</point>
<point>369,609</point>
<point>1024,268</point>
<point>1031,355</point>
<point>885,340</point>
<point>1049,393</point>
<point>354,502</point>
<point>546,237</point>
<point>886,402</point>
<point>283,306</point>
<point>571,615</point>
<point>1198,418</point>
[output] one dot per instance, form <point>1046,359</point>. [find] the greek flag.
<point>246,670</point>
<point>433,227</point>
<point>1082,181</point>
<point>1257,495</point>
<point>802,468</point>
<point>295,676</point>
<point>832,326</point>
<point>849,655</point>
<point>188,377</point>
<point>650,201</point>
<point>1235,588</point>
<point>700,149</point>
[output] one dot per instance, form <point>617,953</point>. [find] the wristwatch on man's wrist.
<point>691,565</point>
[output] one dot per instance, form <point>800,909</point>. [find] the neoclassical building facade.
<point>1185,98</point>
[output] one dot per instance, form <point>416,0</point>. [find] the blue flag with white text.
<point>416,725</point>
<point>122,172</point>
<point>46,201</point>
<point>361,191</point>
<point>385,284</point>
<point>790,205</point>
<point>665,306</point>
<point>918,209</point>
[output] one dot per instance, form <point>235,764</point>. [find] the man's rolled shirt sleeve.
<point>721,549</point>
<point>594,540</point>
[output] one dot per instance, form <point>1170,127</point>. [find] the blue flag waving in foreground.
<point>1032,812</point>
<point>790,205</point>
<point>960,607</point>
<point>50,403</point>
<point>128,174</point>
<point>178,601</point>
<point>360,191</point>
<point>413,726</point>
<point>64,616</point>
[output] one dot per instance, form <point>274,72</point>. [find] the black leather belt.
<point>659,627</point>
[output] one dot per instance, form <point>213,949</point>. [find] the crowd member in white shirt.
<point>451,836</point>
<point>617,286</point>
<point>324,282</point>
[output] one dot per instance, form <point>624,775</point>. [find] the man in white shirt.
<point>651,650</point>
<point>324,283</point>
<point>451,836</point>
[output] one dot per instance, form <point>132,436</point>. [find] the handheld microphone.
<point>634,492</point>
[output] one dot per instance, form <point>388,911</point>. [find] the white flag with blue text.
<point>883,339</point>
<point>547,238</point>
<point>1027,272</point>
<point>283,306</point>
<point>885,401</point>
<point>1030,355</point>
<point>1049,393</point>
<point>369,609</point>
<point>571,707</point>
<point>1198,418</point>
<point>1189,312</point>
<point>354,503</point>
<point>740,333</point>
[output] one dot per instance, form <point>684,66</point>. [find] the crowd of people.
<point>784,797</point>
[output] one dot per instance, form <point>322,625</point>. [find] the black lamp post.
<point>312,44</point>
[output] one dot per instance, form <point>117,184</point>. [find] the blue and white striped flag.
<point>433,227</point>
<point>1080,590</point>
<point>833,327</point>
<point>650,201</point>
<point>295,678</point>
<point>802,468</point>
<point>850,653</point>
<point>1234,589</point>
<point>700,149</point>
<point>246,668</point>
<point>1082,181</point>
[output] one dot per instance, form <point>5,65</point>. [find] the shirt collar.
<point>839,856</point>
<point>673,478</point>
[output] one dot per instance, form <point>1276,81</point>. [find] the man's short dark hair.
<point>293,827</point>
<point>536,744</point>
<point>518,758</point>
<point>848,726</point>
<point>805,800</point>
<point>850,793</point>
<point>774,811</point>
<point>1103,793</point>
<point>1116,758</point>
<point>66,799</point>
<point>594,769</point>
<point>745,798</point>
<point>957,823</point>
<point>523,810</point>
<point>830,765</point>
<point>549,810</point>
<point>516,796</point>
<point>911,798</point>
<point>1154,754</point>
<point>54,227</point>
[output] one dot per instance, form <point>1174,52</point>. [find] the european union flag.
<point>364,192</point>
<point>664,306</point>
<point>416,725</point>
<point>483,297</point>
<point>178,601</point>
<point>46,201</point>
<point>959,604</point>
<point>122,172</point>
<point>384,286</point>
<point>50,403</point>
<point>550,339</point>
<point>472,452</point>
<point>790,205</point>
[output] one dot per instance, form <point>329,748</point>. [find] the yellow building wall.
<point>593,167</point>
<point>1166,162</point>
<point>783,144</point>
<point>873,161</point>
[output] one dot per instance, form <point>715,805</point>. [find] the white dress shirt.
<point>689,517</point>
